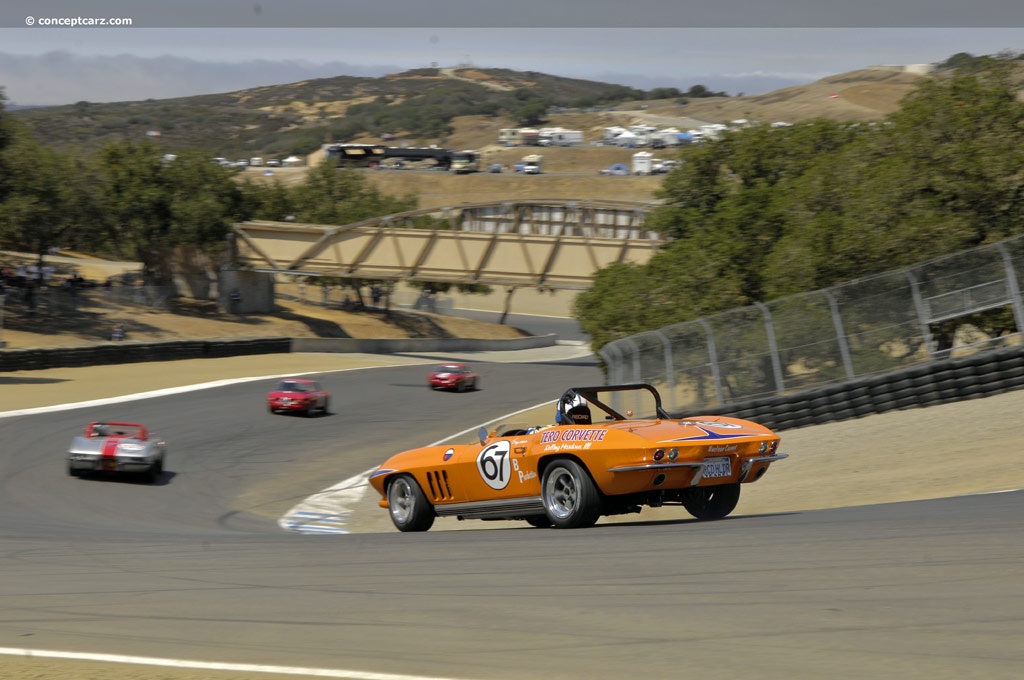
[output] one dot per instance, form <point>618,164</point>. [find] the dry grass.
<point>194,319</point>
<point>572,173</point>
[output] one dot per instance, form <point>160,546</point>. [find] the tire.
<point>408,506</point>
<point>461,386</point>
<point>570,498</point>
<point>539,521</point>
<point>72,472</point>
<point>327,407</point>
<point>311,410</point>
<point>711,502</point>
<point>476,385</point>
<point>151,475</point>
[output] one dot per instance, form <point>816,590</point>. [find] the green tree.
<point>781,211</point>
<point>158,208</point>
<point>331,195</point>
<point>204,200</point>
<point>48,201</point>
<point>138,202</point>
<point>532,114</point>
<point>6,138</point>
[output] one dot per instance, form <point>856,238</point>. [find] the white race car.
<point>119,448</point>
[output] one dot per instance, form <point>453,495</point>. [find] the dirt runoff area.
<point>54,324</point>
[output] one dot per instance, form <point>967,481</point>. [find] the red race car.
<point>299,394</point>
<point>453,377</point>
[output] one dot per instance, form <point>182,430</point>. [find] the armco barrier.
<point>135,352</point>
<point>937,382</point>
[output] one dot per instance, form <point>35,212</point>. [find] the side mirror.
<point>482,435</point>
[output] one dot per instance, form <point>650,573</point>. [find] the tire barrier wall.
<point>135,352</point>
<point>936,382</point>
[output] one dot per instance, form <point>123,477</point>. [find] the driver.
<point>576,411</point>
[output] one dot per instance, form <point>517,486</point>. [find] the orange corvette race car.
<point>570,474</point>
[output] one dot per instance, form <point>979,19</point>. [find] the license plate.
<point>109,465</point>
<point>717,467</point>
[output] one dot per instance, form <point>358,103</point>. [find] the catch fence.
<point>869,326</point>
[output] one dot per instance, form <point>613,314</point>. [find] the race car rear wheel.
<point>570,498</point>
<point>408,506</point>
<point>711,502</point>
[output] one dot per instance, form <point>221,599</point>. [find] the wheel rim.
<point>561,493</point>
<point>401,502</point>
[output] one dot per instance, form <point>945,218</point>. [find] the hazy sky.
<point>186,48</point>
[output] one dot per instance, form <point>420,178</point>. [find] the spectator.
<point>118,333</point>
<point>236,301</point>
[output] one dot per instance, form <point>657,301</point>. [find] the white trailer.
<point>561,137</point>
<point>611,133</point>
<point>643,163</point>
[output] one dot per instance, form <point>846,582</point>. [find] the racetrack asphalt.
<point>890,457</point>
<point>924,453</point>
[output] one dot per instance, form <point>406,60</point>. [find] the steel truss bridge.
<point>546,243</point>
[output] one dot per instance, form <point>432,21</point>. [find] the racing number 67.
<point>494,466</point>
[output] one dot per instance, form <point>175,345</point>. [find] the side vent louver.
<point>439,487</point>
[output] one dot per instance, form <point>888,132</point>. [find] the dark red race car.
<point>299,395</point>
<point>453,377</point>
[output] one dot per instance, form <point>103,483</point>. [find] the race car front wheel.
<point>570,498</point>
<point>408,505</point>
<point>711,502</point>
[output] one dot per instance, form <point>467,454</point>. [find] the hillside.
<point>296,118</point>
<point>865,95</point>
<point>473,105</point>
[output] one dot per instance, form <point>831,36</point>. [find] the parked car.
<point>457,377</point>
<point>596,460</point>
<point>116,447</point>
<point>299,395</point>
